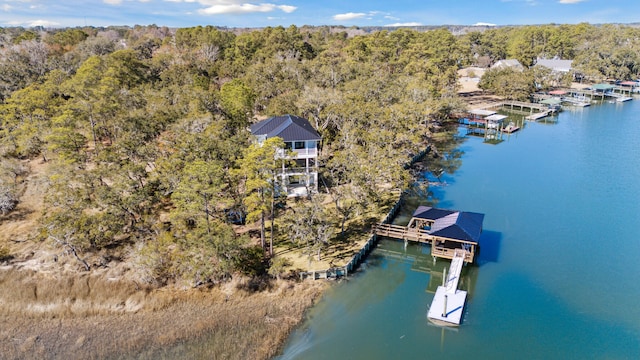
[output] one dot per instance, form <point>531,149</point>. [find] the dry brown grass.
<point>50,308</point>
<point>340,249</point>
<point>92,317</point>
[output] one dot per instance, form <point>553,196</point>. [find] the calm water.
<point>558,274</point>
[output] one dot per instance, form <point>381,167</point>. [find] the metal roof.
<point>507,63</point>
<point>603,87</point>
<point>551,101</point>
<point>429,213</point>
<point>496,117</point>
<point>555,64</point>
<point>455,225</point>
<point>287,127</point>
<point>482,112</point>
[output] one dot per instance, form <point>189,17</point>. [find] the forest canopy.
<point>144,129</point>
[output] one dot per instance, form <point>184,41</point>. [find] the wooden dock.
<point>536,111</point>
<point>403,233</point>
<point>539,115</point>
<point>438,250</point>
<point>448,303</point>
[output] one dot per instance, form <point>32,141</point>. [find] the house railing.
<point>298,170</point>
<point>306,152</point>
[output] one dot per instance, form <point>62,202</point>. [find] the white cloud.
<point>6,7</point>
<point>245,8</point>
<point>348,16</point>
<point>484,24</point>
<point>45,23</point>
<point>112,2</point>
<point>287,8</point>
<point>219,7</point>
<point>570,1</point>
<point>406,24</point>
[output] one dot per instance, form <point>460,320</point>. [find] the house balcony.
<point>300,153</point>
<point>298,170</point>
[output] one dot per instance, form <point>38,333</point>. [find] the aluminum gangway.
<point>448,302</point>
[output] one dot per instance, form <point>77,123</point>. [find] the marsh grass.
<point>87,317</point>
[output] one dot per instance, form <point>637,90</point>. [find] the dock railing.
<point>450,253</point>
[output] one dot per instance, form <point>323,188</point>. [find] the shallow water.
<point>557,275</point>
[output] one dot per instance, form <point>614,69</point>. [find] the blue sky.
<point>261,13</point>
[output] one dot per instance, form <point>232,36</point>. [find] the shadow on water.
<point>418,256</point>
<point>489,247</point>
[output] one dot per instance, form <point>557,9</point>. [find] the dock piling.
<point>444,310</point>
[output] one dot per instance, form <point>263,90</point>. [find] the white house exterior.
<point>300,138</point>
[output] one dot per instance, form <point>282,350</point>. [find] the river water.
<point>558,272</point>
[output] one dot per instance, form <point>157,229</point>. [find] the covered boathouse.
<point>449,230</point>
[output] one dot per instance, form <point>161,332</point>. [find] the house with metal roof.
<point>508,64</point>
<point>449,230</point>
<point>302,140</point>
<point>556,65</point>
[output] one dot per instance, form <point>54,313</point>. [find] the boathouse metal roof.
<point>456,225</point>
<point>551,101</point>
<point>603,87</point>
<point>496,117</point>
<point>481,112</point>
<point>629,83</point>
<point>429,213</point>
<point>287,127</point>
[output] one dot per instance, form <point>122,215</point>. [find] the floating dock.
<point>538,116</point>
<point>448,303</point>
<point>453,235</point>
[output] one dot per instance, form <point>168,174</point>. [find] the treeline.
<point>144,129</point>
<point>599,53</point>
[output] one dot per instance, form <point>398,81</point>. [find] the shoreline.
<point>77,320</point>
<point>236,320</point>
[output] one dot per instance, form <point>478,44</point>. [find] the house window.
<point>298,145</point>
<point>287,145</point>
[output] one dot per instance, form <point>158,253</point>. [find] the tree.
<point>309,225</point>
<point>508,83</point>
<point>259,167</point>
<point>199,197</point>
<point>236,102</point>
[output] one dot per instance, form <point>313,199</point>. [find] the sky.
<point>262,13</point>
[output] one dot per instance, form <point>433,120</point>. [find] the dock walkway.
<point>448,303</point>
<point>403,233</point>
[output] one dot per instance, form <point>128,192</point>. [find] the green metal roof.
<point>551,101</point>
<point>603,87</point>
